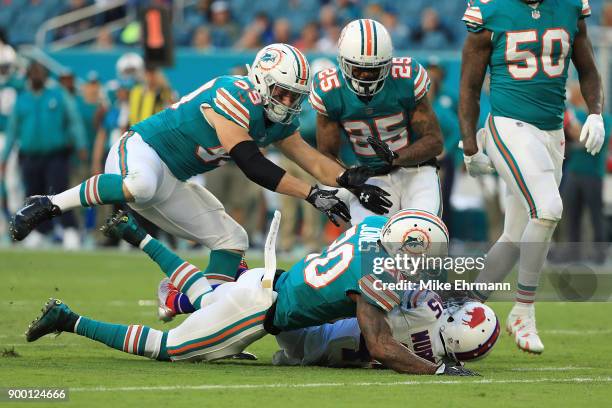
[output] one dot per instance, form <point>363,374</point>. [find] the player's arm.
<point>584,61</point>
<point>376,331</point>
<point>474,62</point>
<point>328,136</point>
<point>246,154</point>
<point>320,166</point>
<point>424,123</point>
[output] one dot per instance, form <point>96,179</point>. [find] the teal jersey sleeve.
<point>410,80</point>
<point>325,93</point>
<point>477,15</point>
<point>584,8</point>
<point>380,290</point>
<point>235,99</point>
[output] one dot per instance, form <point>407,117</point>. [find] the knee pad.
<point>141,188</point>
<point>234,238</point>
<point>552,211</point>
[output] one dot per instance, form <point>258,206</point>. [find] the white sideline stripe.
<point>332,385</point>
<point>568,368</point>
<point>575,332</point>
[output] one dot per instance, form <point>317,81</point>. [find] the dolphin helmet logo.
<point>268,57</point>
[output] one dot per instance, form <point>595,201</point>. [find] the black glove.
<point>453,367</point>
<point>383,151</point>
<point>371,197</point>
<point>327,202</point>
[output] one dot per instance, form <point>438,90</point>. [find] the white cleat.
<point>521,324</point>
<point>164,313</point>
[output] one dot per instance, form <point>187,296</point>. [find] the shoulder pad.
<point>236,100</point>
<point>324,90</point>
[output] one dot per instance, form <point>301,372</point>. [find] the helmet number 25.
<point>524,64</point>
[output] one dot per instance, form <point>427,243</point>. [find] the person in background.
<point>224,30</point>
<point>432,33</point>
<point>449,123</point>
<point>151,96</point>
<point>583,177</point>
<point>46,124</point>
<point>308,38</point>
<point>201,40</point>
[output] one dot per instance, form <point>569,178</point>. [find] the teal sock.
<point>102,189</point>
<point>133,339</point>
<point>223,266</point>
<point>186,277</point>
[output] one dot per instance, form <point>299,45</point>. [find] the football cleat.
<point>37,209</point>
<point>123,225</point>
<point>164,313</point>
<point>244,355</point>
<point>522,326</point>
<point>56,317</point>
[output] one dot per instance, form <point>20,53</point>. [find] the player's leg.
<point>504,254</point>
<point>132,173</point>
<point>420,189</point>
<point>359,212</point>
<point>226,326</point>
<point>134,339</point>
<point>192,212</point>
<point>531,165</point>
<point>185,277</point>
<point>337,344</point>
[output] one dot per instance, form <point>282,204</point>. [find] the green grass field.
<point>575,369</point>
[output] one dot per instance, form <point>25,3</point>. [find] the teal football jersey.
<point>315,290</point>
<point>532,47</point>
<point>386,115</point>
<point>188,144</point>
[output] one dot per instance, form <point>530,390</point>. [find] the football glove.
<point>453,368</point>
<point>383,151</point>
<point>371,197</point>
<point>593,133</point>
<point>327,202</point>
<point>479,163</point>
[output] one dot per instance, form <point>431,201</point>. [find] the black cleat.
<point>123,225</point>
<point>56,317</point>
<point>37,209</point>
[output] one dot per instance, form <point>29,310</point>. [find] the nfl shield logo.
<point>535,14</point>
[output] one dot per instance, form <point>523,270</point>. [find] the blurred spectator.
<point>224,31</point>
<point>201,39</point>
<point>347,11</point>
<point>150,97</point>
<point>583,176</point>
<point>282,31</point>
<point>47,126</point>
<point>27,18</point>
<point>329,42</point>
<point>606,15</point>
<point>328,17</point>
<point>104,40</point>
<point>77,26</point>
<point>256,34</point>
<point>400,33</point>
<point>432,33</point>
<point>373,10</point>
<point>308,38</point>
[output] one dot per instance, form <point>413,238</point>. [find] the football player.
<point>527,45</point>
<point>431,330</point>
<point>379,102</point>
<point>337,283</point>
<point>227,118</point>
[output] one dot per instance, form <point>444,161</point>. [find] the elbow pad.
<point>255,166</point>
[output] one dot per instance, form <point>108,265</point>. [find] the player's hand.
<point>371,197</point>
<point>382,150</point>
<point>327,202</point>
<point>593,133</point>
<point>450,368</point>
<point>478,163</point>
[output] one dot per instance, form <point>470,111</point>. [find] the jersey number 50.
<point>524,64</point>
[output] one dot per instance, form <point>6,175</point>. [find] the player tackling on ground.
<point>527,45</point>
<point>320,288</point>
<point>227,118</point>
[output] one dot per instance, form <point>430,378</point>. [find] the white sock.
<point>69,199</point>
<point>535,244</point>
